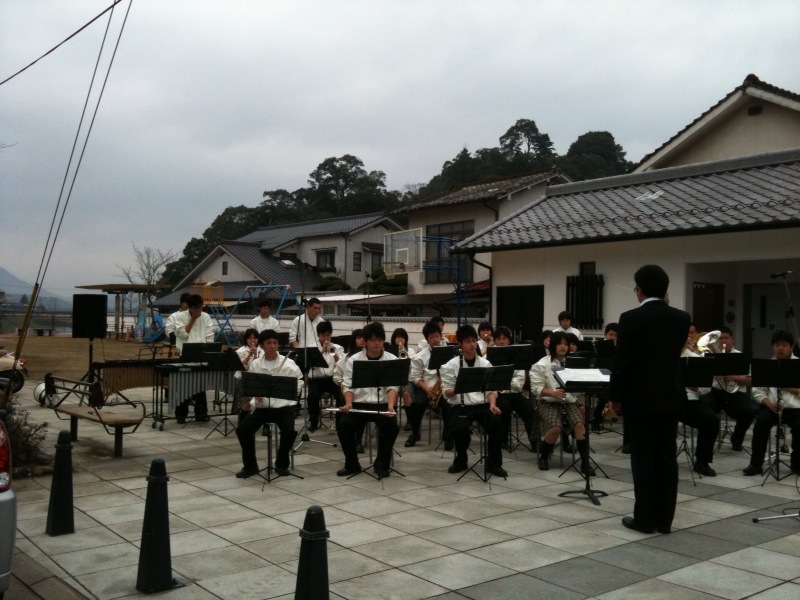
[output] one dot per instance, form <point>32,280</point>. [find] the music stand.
<point>270,386</point>
<point>379,374</point>
<point>310,358</point>
<point>584,381</point>
<point>482,379</point>
<point>521,357</point>
<point>227,362</point>
<point>779,374</point>
<point>441,355</point>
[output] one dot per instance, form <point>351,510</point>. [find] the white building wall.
<point>735,259</point>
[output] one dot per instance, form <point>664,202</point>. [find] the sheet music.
<point>582,376</point>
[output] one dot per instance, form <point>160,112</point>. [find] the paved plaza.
<point>424,535</point>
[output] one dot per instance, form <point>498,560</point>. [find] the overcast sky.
<point>209,103</point>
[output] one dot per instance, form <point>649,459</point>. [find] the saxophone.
<point>437,393</point>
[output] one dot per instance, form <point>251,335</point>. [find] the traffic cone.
<point>155,558</point>
<point>60,512</point>
<point>312,571</point>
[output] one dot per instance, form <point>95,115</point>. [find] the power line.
<point>61,44</point>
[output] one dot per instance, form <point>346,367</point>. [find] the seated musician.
<point>512,401</point>
<point>247,352</point>
<point>729,392</point>
<point>321,380</point>
<point>485,337</point>
<point>193,326</point>
<point>473,406</point>
<point>264,320</point>
<point>565,324</point>
<point>367,399</point>
<point>555,404</point>
<point>767,418</point>
<point>422,344</point>
<point>603,408</point>
<point>426,384</point>
<point>269,410</point>
<point>702,417</point>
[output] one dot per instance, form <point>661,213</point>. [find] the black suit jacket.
<point>648,376</point>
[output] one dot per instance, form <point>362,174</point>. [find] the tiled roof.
<point>750,82</point>
<point>268,268</point>
<point>487,191</point>
<point>280,235</point>
<point>749,193</point>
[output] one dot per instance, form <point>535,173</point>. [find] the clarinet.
<point>461,366</point>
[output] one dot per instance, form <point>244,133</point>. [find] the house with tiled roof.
<point>343,246</point>
<point>721,230</point>
<point>456,215</point>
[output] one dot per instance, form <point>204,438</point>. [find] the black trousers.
<point>461,418</point>
<point>702,417</point>
<point>654,466</point>
<point>317,387</point>
<point>765,421</point>
<point>416,411</point>
<point>349,424</point>
<point>738,406</point>
<point>516,403</point>
<point>252,422</point>
<point>200,406</point>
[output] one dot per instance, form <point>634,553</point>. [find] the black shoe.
<point>626,449</point>
<point>360,448</point>
<point>631,524</point>
<point>411,441</point>
<point>704,469</point>
<point>312,428</point>
<point>449,445</point>
<point>736,447</point>
<point>407,427</point>
<point>382,472</point>
<point>497,470</point>
<point>664,530</point>
<point>751,470</point>
<point>282,471</point>
<point>457,467</point>
<point>349,471</point>
<point>544,465</point>
<point>245,473</point>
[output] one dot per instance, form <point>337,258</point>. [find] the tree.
<point>593,155</point>
<point>150,264</point>
<point>342,186</point>
<point>524,137</point>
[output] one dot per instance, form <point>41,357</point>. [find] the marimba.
<point>118,375</point>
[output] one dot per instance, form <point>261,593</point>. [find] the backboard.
<point>402,252</point>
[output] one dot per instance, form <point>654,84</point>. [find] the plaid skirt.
<point>550,415</point>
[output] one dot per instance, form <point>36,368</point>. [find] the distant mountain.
<point>15,288</point>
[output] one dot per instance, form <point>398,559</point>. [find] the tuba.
<point>709,342</point>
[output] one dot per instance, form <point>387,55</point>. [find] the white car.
<point>8,509</point>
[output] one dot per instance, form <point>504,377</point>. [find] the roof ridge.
<point>317,221</point>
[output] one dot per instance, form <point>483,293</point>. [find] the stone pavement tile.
<point>693,544</point>
<point>310,484</point>
<point>786,525</point>
<point>464,536</point>
<point>199,474</point>
<point>617,504</point>
<point>118,514</point>
<point>457,571</point>
<point>714,508</point>
<point>98,559</point>
<point>519,500</point>
<point>251,530</point>
<point>279,505</point>
<point>333,516</point>
<point>748,498</point>
<point>361,532</point>
<point>720,580</point>
<point>94,487</point>
<point>82,539</point>
<point>787,591</point>
<point>233,513</point>
<point>108,584</point>
<point>613,526</point>
<point>740,532</point>
<point>55,588</point>
<point>386,486</point>
<point>700,490</point>
<point>200,502</point>
<point>343,564</point>
<point>640,558</point>
<point>576,540</point>
<point>785,545</point>
<point>469,486</point>
<point>655,589</point>
<point>131,531</point>
<point>394,585</point>
<point>519,523</point>
<point>33,527</point>
<point>417,520</point>
<point>521,554</point>
<point>517,482</point>
<point>197,540</point>
<point>121,498</point>
<point>404,550</point>
<point>471,509</point>
<point>28,570</point>
<point>280,549</point>
<point>685,519</point>
<point>570,513</point>
<point>763,562</point>
<point>517,587</point>
<point>257,584</point>
<point>427,497</point>
<point>212,563</point>
<point>245,493</point>
<point>586,576</point>
<point>370,507</point>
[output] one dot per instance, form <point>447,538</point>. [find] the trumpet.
<point>401,351</point>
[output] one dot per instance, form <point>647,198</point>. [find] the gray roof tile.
<point>750,193</point>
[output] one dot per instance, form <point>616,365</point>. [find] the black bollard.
<point>312,572</point>
<point>155,558</point>
<point>60,512</point>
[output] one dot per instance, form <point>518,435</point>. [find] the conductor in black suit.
<point>648,380</point>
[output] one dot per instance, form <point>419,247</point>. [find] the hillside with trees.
<point>342,186</point>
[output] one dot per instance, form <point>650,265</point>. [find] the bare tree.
<point>150,263</point>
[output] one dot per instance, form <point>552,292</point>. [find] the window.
<point>326,260</point>
<point>356,262</point>
<point>585,300</point>
<point>377,262</point>
<point>437,253</point>
<point>224,267</point>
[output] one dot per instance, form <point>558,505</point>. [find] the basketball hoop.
<point>403,252</point>
<point>393,268</point>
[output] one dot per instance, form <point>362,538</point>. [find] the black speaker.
<point>89,315</point>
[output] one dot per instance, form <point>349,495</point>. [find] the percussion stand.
<point>778,374</point>
<point>312,357</point>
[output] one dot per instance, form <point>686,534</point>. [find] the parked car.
<point>8,506</point>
